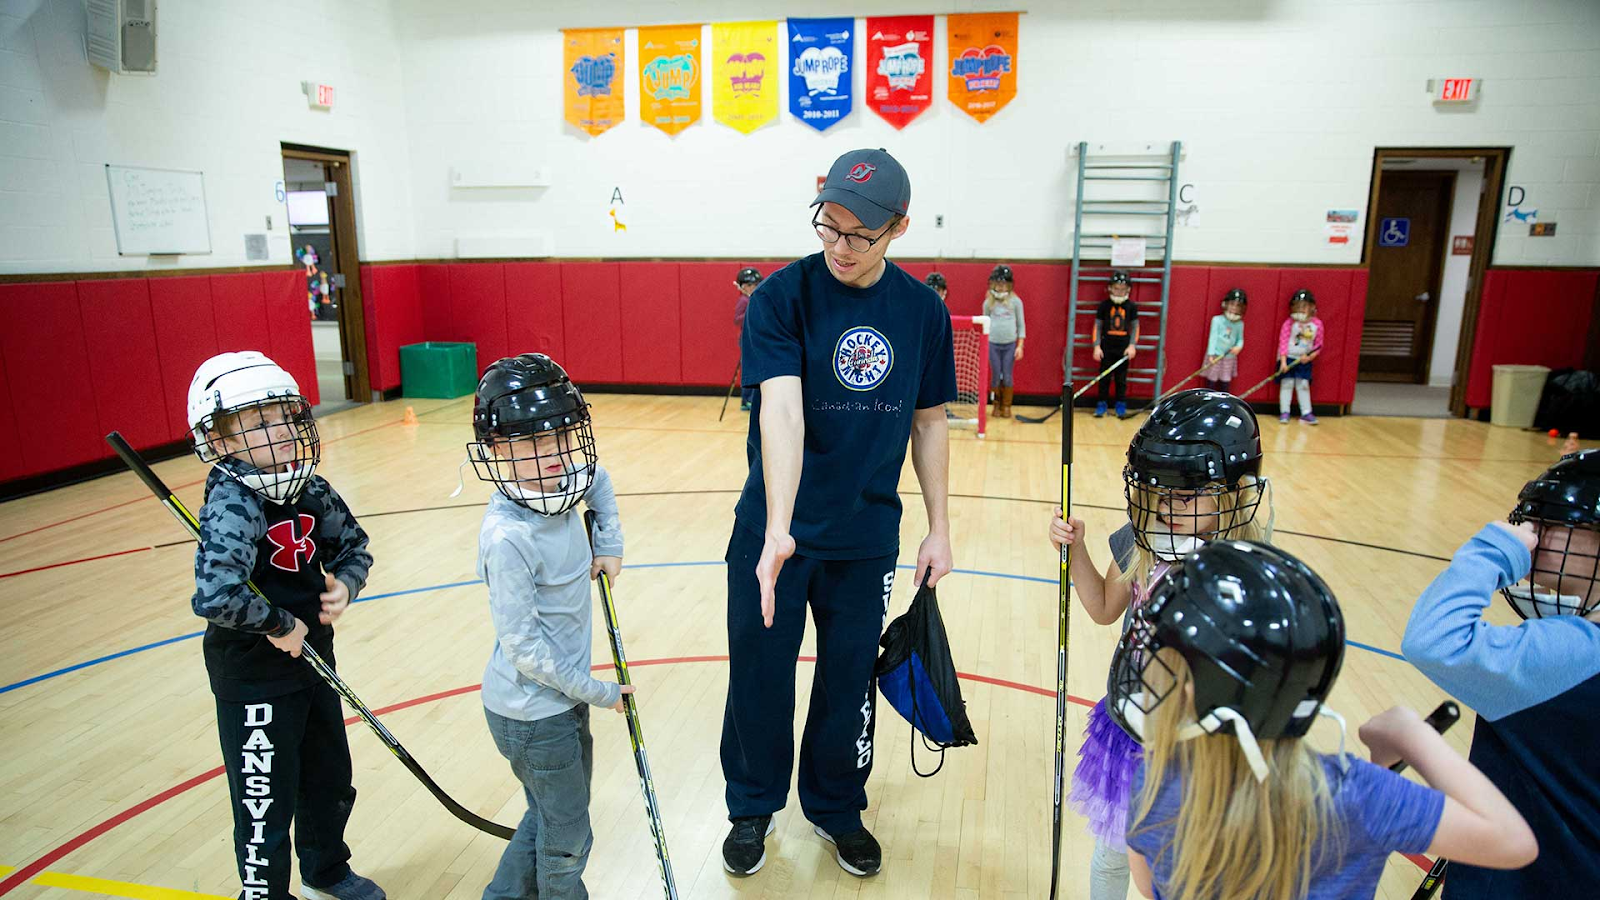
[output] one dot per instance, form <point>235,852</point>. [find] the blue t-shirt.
<point>867,358</point>
<point>1379,812</point>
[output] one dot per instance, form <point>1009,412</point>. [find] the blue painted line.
<point>455,584</point>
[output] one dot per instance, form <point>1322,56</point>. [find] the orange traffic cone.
<point>410,417</point>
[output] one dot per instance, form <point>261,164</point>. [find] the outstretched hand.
<point>775,551</point>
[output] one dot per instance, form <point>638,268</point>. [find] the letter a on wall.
<point>983,62</point>
<point>746,70</point>
<point>592,63</point>
<point>819,70</point>
<point>669,76</point>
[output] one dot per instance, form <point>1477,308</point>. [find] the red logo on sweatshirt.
<point>291,545</point>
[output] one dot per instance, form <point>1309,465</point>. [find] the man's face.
<point>856,268</point>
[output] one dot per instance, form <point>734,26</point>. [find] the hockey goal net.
<point>972,373</point>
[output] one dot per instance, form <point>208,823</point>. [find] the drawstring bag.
<point>918,677</point>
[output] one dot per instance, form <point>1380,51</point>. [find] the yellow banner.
<point>669,76</point>
<point>746,73</point>
<point>593,60</point>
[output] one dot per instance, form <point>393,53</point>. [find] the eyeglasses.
<point>860,243</point>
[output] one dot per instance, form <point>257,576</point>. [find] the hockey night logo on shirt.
<point>862,359</point>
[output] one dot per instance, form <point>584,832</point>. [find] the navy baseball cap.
<point>869,183</point>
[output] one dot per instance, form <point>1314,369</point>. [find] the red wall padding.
<point>591,316</point>
<point>289,330</point>
<point>651,320</point>
<point>1330,380</point>
<point>52,393</point>
<point>533,310</point>
<point>240,304</point>
<point>12,462</point>
<point>433,285</point>
<point>1040,286</point>
<point>186,333</point>
<point>478,308</point>
<point>119,333</point>
<point>1530,317</point>
<point>708,340</point>
<point>391,304</point>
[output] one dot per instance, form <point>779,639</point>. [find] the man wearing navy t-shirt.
<point>852,357</point>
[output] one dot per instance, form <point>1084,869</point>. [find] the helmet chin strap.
<point>460,477</point>
<point>572,486</point>
<point>1536,604</point>
<point>1241,731</point>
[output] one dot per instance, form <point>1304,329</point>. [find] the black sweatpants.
<point>287,759</point>
<point>1111,350</point>
<point>849,601</point>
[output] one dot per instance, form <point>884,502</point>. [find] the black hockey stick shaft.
<point>1063,620</point>
<point>1447,714</point>
<point>732,382</point>
<point>1067,401</point>
<point>185,518</point>
<point>647,785</point>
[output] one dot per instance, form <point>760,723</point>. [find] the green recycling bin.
<point>438,369</point>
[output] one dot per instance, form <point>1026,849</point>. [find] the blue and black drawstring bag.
<point>918,677</point>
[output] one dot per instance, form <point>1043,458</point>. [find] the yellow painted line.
<point>110,888</point>
<point>7,870</point>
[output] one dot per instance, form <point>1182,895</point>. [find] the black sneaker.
<point>857,852</point>
<point>745,850</point>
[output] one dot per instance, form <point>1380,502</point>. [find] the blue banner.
<point>821,53</point>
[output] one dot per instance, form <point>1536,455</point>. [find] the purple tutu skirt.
<point>1102,783</point>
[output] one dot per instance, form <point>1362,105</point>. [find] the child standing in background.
<point>1006,333</point>
<point>936,281</point>
<point>1116,334</point>
<point>1299,342</point>
<point>1226,342</point>
<point>746,281</point>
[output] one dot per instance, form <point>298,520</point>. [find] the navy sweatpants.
<point>849,601</point>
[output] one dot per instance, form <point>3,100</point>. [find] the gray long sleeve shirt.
<point>537,570</point>
<point>1006,325</point>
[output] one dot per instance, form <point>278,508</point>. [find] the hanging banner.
<point>744,96</point>
<point>820,51</point>
<point>899,54</point>
<point>983,62</point>
<point>592,60</point>
<point>669,76</point>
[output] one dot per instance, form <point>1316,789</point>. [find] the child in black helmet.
<point>1300,342</point>
<point>1226,341</point>
<point>748,279</point>
<point>1007,333</point>
<point>1222,673</point>
<point>1116,334</point>
<point>936,281</point>
<point>1536,685</point>
<point>534,443</point>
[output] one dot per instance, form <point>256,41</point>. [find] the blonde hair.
<point>989,301</point>
<point>1234,836</point>
<point>1252,499</point>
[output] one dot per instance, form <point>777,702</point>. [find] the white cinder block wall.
<point>1280,103</point>
<point>226,94</point>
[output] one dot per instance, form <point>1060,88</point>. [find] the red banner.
<point>899,60</point>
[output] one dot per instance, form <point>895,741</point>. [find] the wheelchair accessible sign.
<point>1394,232</point>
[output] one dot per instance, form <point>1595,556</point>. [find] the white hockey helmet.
<point>230,383</point>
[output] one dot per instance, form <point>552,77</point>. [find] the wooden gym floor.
<point>109,765</point>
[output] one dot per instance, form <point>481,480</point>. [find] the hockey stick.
<point>1063,618</point>
<point>1257,386</point>
<point>731,383</point>
<point>1447,714</point>
<point>190,523</point>
<point>1066,401</point>
<point>1178,384</point>
<point>647,785</point>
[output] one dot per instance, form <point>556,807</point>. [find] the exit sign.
<point>320,95</point>
<point>1456,90</point>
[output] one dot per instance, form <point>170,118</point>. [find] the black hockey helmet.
<point>534,438</point>
<point>1261,634</point>
<point>1119,276</point>
<point>1002,272</point>
<point>1196,445</point>
<point>748,275</point>
<point>1566,496</point>
<point>936,281</point>
<point>1302,296</point>
<point>1236,295</point>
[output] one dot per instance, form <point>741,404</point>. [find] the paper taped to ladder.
<point>1128,251</point>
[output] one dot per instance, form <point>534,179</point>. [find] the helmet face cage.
<point>271,445</point>
<point>1141,677</point>
<point>1565,577</point>
<point>546,471</point>
<point>1171,520</point>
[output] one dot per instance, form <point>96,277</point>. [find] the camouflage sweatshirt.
<point>284,549</point>
<point>537,570</point>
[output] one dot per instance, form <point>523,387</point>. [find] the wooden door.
<point>1411,227</point>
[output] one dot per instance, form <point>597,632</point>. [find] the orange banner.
<point>669,76</point>
<point>593,60</point>
<point>983,62</point>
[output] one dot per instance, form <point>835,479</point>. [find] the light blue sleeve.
<point>1218,343</point>
<point>1497,670</point>
<point>608,523</point>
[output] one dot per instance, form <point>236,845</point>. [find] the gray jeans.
<point>1108,873</point>
<point>554,760</point>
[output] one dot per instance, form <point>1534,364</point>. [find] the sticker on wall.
<point>1542,229</point>
<point>1461,245</point>
<point>1394,232</point>
<point>592,62</point>
<point>669,76</point>
<point>899,52</point>
<point>820,51</point>
<point>983,62</point>
<point>745,74</point>
<point>617,203</point>
<point>1338,227</point>
<point>1516,195</point>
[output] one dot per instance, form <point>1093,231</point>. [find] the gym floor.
<point>110,770</point>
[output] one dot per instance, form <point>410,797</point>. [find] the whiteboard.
<point>158,211</point>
